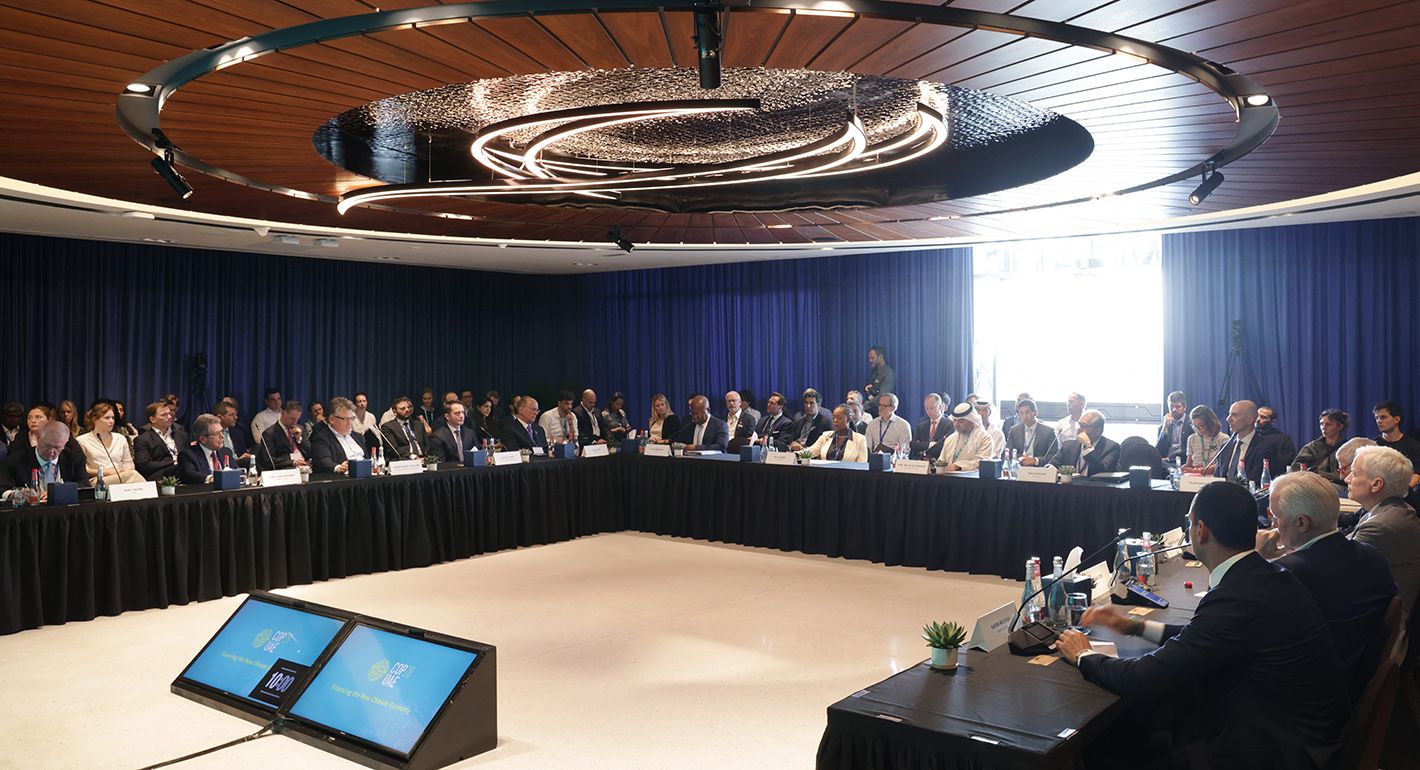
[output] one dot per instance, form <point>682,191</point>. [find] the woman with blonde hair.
<point>1203,444</point>
<point>664,423</point>
<point>106,450</point>
<point>69,415</point>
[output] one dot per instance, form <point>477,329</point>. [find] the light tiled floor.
<point>614,651</point>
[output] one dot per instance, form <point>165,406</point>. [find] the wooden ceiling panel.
<point>910,45</point>
<point>424,69</point>
<point>584,35</point>
<point>1324,30</point>
<point>533,41</point>
<point>864,37</point>
<point>1056,66</point>
<point>960,49</point>
<point>751,35</point>
<point>1259,30</point>
<point>641,37</point>
<point>804,38</point>
<point>477,41</point>
<point>997,58</point>
<point>680,33</point>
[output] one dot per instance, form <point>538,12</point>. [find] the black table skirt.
<point>80,562</point>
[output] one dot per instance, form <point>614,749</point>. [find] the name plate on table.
<point>595,450</point>
<point>138,490</point>
<point>507,458</point>
<point>1195,483</point>
<point>658,450</point>
<point>1101,575</point>
<point>400,467</point>
<point>781,458</point>
<point>991,628</point>
<point>915,467</point>
<point>1038,474</point>
<point>1171,539</point>
<point>282,478</point>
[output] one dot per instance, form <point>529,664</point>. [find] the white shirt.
<point>352,449</point>
<point>998,440</point>
<point>364,425</point>
<point>263,420</point>
<point>116,456</point>
<point>167,437</point>
<point>556,426</point>
<point>895,432</point>
<point>732,421</point>
<point>967,450</point>
<point>700,433</point>
<point>1067,428</point>
<point>11,434</point>
<point>1028,437</point>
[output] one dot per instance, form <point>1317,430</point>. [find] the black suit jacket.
<point>922,447</point>
<point>1351,584</point>
<point>1262,667</point>
<point>1267,444</point>
<point>273,452</point>
<point>22,461</point>
<point>743,430</point>
<point>327,453</point>
<point>516,437</point>
<point>443,446</point>
<point>584,426</point>
<point>193,467</point>
<point>1104,458</point>
<point>394,436</point>
<point>151,457</point>
<point>1162,445</point>
<point>780,433</point>
<point>717,434</point>
<point>807,430</point>
<point>1043,446</point>
<point>240,442</point>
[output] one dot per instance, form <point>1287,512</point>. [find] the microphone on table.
<point>269,458</point>
<point>394,449</point>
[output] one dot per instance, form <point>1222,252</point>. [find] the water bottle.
<point>1029,589</point>
<point>1174,476</point>
<point>1037,604</point>
<point>1266,474</point>
<point>101,486</point>
<point>1058,614</point>
<point>1146,562</point>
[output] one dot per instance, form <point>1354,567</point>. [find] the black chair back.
<point>1141,453</point>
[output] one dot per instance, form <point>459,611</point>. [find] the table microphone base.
<point>1033,638</point>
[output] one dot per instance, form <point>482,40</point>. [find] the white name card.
<point>631,435</point>
<point>915,467</point>
<point>138,490</point>
<point>406,467</point>
<point>1101,575</point>
<point>991,628</point>
<point>658,450</point>
<point>1171,539</point>
<point>507,458</point>
<point>1038,474</point>
<point>595,450</point>
<point>1195,483</point>
<point>781,458</point>
<point>284,478</point>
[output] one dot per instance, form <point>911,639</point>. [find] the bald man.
<point>1252,445</point>
<point>591,428</point>
<point>703,431</point>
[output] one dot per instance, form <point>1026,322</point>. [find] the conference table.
<point>78,562</point>
<point>996,711</point>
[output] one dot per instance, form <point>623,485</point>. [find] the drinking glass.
<point>1075,605</point>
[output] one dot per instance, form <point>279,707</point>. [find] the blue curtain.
<point>1326,313</point>
<point>90,319</point>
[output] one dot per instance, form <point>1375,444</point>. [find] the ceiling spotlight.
<point>138,88</point>
<point>1211,180</point>
<point>164,166</point>
<point>708,42</point>
<point>615,236</point>
<point>1257,100</point>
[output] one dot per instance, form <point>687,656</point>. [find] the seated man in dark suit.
<point>738,421</point>
<point>156,449</point>
<point>1253,678</point>
<point>1032,441</point>
<point>403,435</point>
<point>197,462</point>
<point>233,437</point>
<point>703,430</point>
<point>929,434</point>
<point>520,429</point>
<point>1090,452</point>
<point>775,428</point>
<point>1378,482</point>
<point>334,446</point>
<point>51,457</point>
<point>1349,580</point>
<point>810,423</point>
<point>1172,442</point>
<point>451,438</point>
<point>282,447</point>
<point>1253,444</point>
<point>591,429</point>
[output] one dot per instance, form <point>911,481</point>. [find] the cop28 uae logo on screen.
<point>271,641</point>
<point>387,674</point>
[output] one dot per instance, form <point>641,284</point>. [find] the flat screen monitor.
<point>383,688</point>
<point>260,655</point>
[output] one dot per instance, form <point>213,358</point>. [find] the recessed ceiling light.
<point>1257,100</point>
<point>502,245</point>
<point>138,88</point>
<point>779,227</point>
<point>455,216</point>
<point>328,243</point>
<point>943,219</point>
<point>584,264</point>
<point>137,215</point>
<point>158,240</point>
<point>289,240</point>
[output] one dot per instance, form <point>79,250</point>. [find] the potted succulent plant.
<point>168,485</point>
<point>677,449</point>
<point>945,639</point>
<point>805,457</point>
<point>1067,474</point>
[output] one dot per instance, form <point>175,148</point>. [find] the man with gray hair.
<point>888,431</point>
<point>1345,455</point>
<point>1090,452</point>
<point>51,457</point>
<point>1379,480</point>
<point>197,462</point>
<point>332,449</point>
<point>1349,580</point>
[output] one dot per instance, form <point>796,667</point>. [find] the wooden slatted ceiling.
<point>1344,75</point>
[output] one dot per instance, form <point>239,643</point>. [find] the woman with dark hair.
<point>121,424</point>
<point>664,423</point>
<point>1319,456</point>
<point>615,419</point>
<point>482,420</point>
<point>1205,441</point>
<point>35,419</point>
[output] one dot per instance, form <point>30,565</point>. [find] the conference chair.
<point>1366,732</point>
<point>1137,451</point>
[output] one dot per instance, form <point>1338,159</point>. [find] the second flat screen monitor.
<point>383,688</point>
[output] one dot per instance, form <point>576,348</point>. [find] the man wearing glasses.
<point>50,457</point>
<point>197,463</point>
<point>333,449</point>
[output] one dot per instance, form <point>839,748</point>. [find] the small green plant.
<point>1067,470</point>
<point>678,446</point>
<point>806,454</point>
<point>168,481</point>
<point>943,635</point>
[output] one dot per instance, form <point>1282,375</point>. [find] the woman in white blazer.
<point>104,448</point>
<point>841,443</point>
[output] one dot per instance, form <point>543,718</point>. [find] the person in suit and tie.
<point>704,430</point>
<point>51,457</point>
<point>591,428</point>
<point>452,438</point>
<point>1013,418</point>
<point>738,421</point>
<point>1378,481</point>
<point>403,435</point>
<point>841,443</point>
<point>810,423</point>
<point>929,434</point>
<point>1090,451</point>
<point>1349,580</point>
<point>775,429</point>
<point>1252,444</point>
<point>234,439</point>
<point>520,429</point>
<point>338,443</point>
<point>1174,432</point>
<point>282,447</point>
<point>155,451</point>
<point>1031,441</point>
<point>1253,678</point>
<point>197,463</point>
